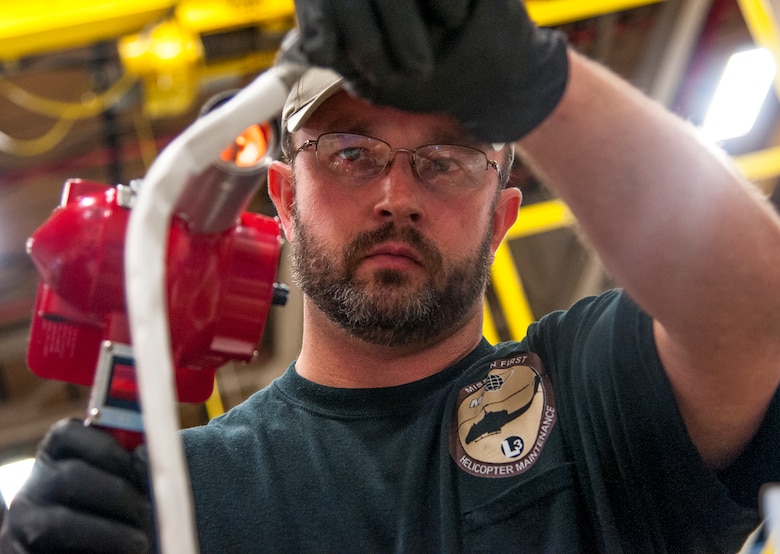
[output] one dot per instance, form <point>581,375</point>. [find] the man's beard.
<point>386,309</point>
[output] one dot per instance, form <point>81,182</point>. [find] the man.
<point>609,428</point>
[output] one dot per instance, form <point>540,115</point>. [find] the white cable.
<point>145,262</point>
<point>771,508</point>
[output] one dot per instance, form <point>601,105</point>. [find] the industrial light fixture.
<point>740,95</point>
<point>12,477</point>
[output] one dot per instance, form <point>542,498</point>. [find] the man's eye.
<point>350,154</point>
<point>355,161</point>
<point>442,164</point>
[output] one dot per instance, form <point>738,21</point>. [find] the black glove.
<point>85,494</point>
<point>482,61</point>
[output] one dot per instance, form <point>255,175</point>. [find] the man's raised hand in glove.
<point>482,61</point>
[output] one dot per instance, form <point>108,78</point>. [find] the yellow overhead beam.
<point>763,25</point>
<point>549,13</point>
<point>505,277</point>
<point>214,405</point>
<point>204,39</point>
<point>489,330</point>
<point>205,16</point>
<point>510,293</point>
<point>539,218</point>
<point>761,165</point>
<point>32,27</point>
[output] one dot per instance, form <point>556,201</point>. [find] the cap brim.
<point>315,86</point>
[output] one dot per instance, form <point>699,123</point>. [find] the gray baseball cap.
<point>315,86</point>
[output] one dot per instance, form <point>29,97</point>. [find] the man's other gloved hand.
<point>482,61</point>
<point>85,494</point>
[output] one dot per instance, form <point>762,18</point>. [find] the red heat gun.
<point>222,264</point>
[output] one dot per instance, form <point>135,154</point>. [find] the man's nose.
<point>401,189</point>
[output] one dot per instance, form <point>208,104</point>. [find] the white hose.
<point>145,263</point>
<point>771,509</point>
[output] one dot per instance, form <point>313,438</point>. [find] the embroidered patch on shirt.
<point>502,422</point>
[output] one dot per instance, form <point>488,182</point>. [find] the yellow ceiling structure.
<point>161,42</point>
<point>38,26</point>
<point>553,214</point>
<point>762,22</point>
<point>557,12</point>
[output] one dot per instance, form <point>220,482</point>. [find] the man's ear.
<point>505,215</point>
<point>282,194</point>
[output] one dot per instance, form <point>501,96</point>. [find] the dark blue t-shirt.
<point>569,441</point>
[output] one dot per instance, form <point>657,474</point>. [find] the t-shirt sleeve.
<point>624,429</point>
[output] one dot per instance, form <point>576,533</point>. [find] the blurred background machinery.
<point>95,88</point>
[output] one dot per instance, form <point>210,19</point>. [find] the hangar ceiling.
<point>674,50</point>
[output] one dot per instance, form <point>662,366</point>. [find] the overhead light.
<point>12,477</point>
<point>740,95</point>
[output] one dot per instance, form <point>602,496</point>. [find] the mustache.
<point>365,241</point>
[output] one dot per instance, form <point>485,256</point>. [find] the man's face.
<point>391,260</point>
